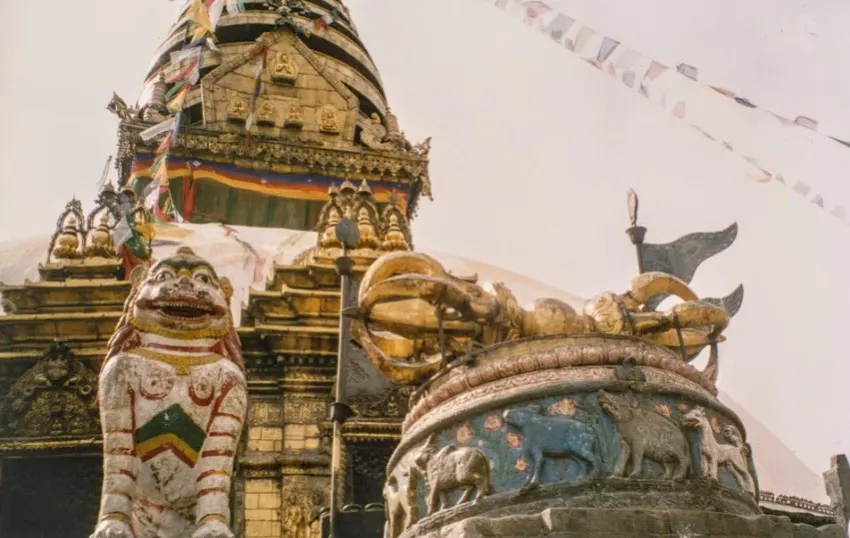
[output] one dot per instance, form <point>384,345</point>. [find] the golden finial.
<point>67,243</point>
<point>347,187</point>
<point>100,245</point>
<point>364,189</point>
<point>333,191</point>
<point>394,239</point>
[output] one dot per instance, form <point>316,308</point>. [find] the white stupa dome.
<point>246,256</point>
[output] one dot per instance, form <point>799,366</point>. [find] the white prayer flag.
<point>152,132</point>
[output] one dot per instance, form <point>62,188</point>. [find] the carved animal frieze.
<point>57,396</point>
<point>400,499</point>
<point>173,401</point>
<point>645,433</point>
<point>714,455</point>
<point>553,436</point>
<point>452,468</point>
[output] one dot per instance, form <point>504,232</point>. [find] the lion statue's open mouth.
<point>187,309</point>
<point>182,297</point>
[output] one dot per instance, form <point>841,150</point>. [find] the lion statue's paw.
<point>112,528</point>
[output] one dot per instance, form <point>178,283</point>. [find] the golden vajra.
<point>412,310</point>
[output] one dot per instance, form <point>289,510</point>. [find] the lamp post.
<point>348,236</point>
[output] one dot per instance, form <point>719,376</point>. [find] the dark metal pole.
<point>347,234</point>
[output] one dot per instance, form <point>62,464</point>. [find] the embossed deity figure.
<point>172,403</point>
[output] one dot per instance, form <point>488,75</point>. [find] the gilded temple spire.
<point>319,111</point>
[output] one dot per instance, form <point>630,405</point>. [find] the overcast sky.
<point>533,151</point>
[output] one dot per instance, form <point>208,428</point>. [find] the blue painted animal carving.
<point>547,436</point>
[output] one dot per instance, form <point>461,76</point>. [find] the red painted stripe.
<point>122,452</point>
<point>121,494</point>
<point>225,390</point>
<point>211,473</point>
<point>213,453</point>
<point>123,472</point>
<point>222,434</point>
<point>210,491</point>
<point>151,505</point>
<point>174,450</point>
<point>229,415</point>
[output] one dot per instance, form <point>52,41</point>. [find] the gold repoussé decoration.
<point>409,303</point>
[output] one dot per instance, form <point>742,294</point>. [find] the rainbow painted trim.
<point>292,186</point>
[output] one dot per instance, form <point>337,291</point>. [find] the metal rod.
<point>636,235</point>
<point>340,411</point>
<point>679,336</point>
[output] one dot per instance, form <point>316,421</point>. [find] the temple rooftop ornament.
<point>321,114</point>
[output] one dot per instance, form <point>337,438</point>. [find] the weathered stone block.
<point>652,522</point>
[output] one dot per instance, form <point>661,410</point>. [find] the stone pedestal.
<point>581,436</point>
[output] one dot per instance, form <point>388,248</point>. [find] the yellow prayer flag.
<point>146,230</point>
<point>199,33</point>
<point>177,103</point>
<point>161,175</point>
<point>198,14</point>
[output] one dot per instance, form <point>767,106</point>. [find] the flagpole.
<point>636,233</point>
<point>348,236</point>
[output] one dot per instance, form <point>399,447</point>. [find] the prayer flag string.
<point>640,73</point>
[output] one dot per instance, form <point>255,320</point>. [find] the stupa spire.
<point>289,94</point>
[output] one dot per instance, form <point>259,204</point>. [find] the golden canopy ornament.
<point>413,314</point>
